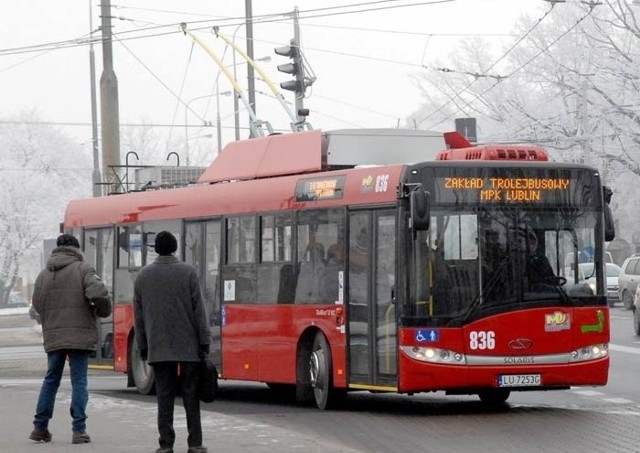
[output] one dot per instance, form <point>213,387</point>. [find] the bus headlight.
<point>434,355</point>
<point>595,351</point>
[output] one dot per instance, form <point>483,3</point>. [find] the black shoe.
<point>164,450</point>
<point>200,449</point>
<point>40,435</point>
<point>80,438</point>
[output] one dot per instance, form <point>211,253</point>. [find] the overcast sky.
<point>363,57</point>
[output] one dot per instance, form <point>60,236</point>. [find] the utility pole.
<point>95,177</point>
<point>109,110</point>
<point>251,88</point>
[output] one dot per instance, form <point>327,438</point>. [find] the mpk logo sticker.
<point>557,321</point>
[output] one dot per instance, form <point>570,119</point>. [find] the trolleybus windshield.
<point>497,242</point>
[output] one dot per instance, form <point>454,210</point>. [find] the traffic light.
<point>295,68</point>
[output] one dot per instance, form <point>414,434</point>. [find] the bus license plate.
<point>519,380</point>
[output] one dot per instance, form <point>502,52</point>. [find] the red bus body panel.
<point>259,342</point>
<point>539,326</point>
<point>267,156</point>
<point>122,328</point>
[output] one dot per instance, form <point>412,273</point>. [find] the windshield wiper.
<point>479,300</point>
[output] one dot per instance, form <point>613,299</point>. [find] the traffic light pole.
<point>299,94</point>
<point>297,69</point>
<point>296,125</point>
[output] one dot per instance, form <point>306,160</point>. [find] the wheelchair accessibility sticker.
<point>427,335</point>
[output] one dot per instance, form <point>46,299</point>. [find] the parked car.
<point>569,263</point>
<point>16,300</point>
<point>629,279</point>
<point>636,311</point>
<point>586,273</point>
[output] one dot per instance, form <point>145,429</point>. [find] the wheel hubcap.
<point>316,369</point>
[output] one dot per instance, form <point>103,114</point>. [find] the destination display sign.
<point>533,185</point>
<point>508,189</point>
<point>315,189</point>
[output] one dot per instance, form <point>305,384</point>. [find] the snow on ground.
<point>14,311</point>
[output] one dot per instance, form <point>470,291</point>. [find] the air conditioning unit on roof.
<point>166,177</point>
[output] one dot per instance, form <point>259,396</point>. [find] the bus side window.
<point>318,233</point>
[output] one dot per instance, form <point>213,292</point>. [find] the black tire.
<point>636,321</point>
<point>627,300</point>
<point>494,397</point>
<point>321,375</point>
<point>142,374</point>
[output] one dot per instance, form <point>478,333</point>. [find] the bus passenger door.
<point>202,250</point>
<point>371,299</point>
<point>98,249</point>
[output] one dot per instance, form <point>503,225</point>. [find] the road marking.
<point>627,349</point>
<point>588,392</point>
<point>18,382</point>
<point>618,400</point>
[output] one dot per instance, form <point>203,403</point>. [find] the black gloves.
<point>143,354</point>
<point>203,351</point>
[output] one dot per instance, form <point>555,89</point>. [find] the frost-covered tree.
<point>41,169</point>
<point>569,82</point>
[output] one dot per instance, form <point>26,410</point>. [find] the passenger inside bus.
<point>314,251</point>
<point>335,254</point>
<point>538,268</point>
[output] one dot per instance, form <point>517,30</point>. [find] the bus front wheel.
<point>321,375</point>
<point>141,372</point>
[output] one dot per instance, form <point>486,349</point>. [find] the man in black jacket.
<point>172,331</point>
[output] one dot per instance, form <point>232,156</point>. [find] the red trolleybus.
<point>329,264</point>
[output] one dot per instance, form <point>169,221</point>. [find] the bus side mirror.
<point>420,210</point>
<point>609,227</point>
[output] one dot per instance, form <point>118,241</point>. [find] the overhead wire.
<point>305,14</point>
<point>274,17</point>
<point>459,93</point>
<point>526,63</point>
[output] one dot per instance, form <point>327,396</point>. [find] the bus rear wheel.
<point>141,372</point>
<point>321,375</point>
<point>494,397</point>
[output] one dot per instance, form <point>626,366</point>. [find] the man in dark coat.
<point>68,295</point>
<point>172,331</point>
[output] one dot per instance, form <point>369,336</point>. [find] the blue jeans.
<point>78,364</point>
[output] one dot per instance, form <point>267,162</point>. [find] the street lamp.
<point>186,127</point>
<point>218,125</point>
